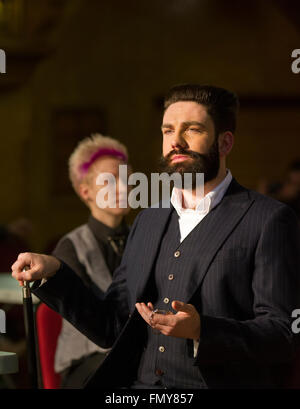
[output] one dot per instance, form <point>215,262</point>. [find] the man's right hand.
<point>39,266</point>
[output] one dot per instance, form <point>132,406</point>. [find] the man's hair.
<point>222,105</point>
<point>84,151</point>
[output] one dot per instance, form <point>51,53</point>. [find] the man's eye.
<point>167,131</point>
<point>194,129</point>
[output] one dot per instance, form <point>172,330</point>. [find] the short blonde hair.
<point>85,150</point>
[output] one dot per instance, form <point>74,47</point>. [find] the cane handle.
<point>26,287</point>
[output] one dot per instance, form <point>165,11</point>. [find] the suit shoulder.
<point>150,212</point>
<point>262,207</point>
<point>258,198</point>
<point>267,200</point>
<point>269,206</point>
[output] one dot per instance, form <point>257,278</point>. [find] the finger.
<point>147,313</point>
<point>161,319</point>
<point>146,308</point>
<point>150,305</point>
<point>164,329</point>
<point>17,266</point>
<point>24,259</point>
<point>181,306</point>
<point>28,275</point>
<point>17,273</point>
<point>33,274</point>
<point>144,311</point>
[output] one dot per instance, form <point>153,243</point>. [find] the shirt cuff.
<point>196,345</point>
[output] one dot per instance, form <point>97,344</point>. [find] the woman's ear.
<point>84,192</point>
<point>226,140</point>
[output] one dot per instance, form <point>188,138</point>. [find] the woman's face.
<point>118,191</point>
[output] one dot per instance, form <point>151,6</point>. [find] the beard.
<point>208,163</point>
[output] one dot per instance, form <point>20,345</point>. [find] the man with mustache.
<point>206,288</point>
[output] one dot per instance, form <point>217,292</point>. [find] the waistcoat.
<point>169,361</point>
<point>72,344</point>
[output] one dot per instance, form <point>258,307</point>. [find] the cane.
<point>30,334</point>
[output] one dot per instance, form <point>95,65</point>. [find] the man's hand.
<point>40,266</point>
<point>184,324</point>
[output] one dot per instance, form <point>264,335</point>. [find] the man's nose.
<point>178,141</point>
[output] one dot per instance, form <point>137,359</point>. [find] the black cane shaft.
<point>30,334</point>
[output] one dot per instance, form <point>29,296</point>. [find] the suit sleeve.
<point>100,319</point>
<point>268,337</point>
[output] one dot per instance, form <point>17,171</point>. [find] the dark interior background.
<point>74,67</point>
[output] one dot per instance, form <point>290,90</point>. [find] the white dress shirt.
<point>190,218</point>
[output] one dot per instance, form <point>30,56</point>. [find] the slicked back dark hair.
<point>222,105</point>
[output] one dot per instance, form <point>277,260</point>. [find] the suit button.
<point>177,253</point>
<point>161,349</point>
<point>170,276</point>
<point>159,372</point>
<point>166,300</point>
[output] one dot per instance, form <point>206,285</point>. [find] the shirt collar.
<point>208,202</point>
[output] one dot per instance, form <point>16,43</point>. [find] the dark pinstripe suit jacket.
<point>244,258</point>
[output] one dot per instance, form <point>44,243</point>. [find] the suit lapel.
<point>208,237</point>
<point>154,228</point>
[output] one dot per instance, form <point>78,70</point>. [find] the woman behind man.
<point>92,250</point>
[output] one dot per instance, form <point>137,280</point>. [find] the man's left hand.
<point>184,324</point>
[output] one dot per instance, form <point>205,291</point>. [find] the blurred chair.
<point>48,324</point>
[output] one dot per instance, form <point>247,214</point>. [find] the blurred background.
<point>76,67</point>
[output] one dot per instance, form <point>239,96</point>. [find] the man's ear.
<point>226,140</point>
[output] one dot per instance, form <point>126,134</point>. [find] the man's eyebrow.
<point>167,126</point>
<point>186,124</point>
<point>196,123</point>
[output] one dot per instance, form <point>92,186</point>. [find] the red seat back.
<point>293,381</point>
<point>48,324</point>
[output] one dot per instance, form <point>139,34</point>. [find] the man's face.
<point>189,142</point>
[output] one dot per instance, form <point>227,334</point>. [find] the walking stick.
<point>30,334</point>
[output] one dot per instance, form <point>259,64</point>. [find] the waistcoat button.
<point>161,349</point>
<point>177,253</point>
<point>159,372</point>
